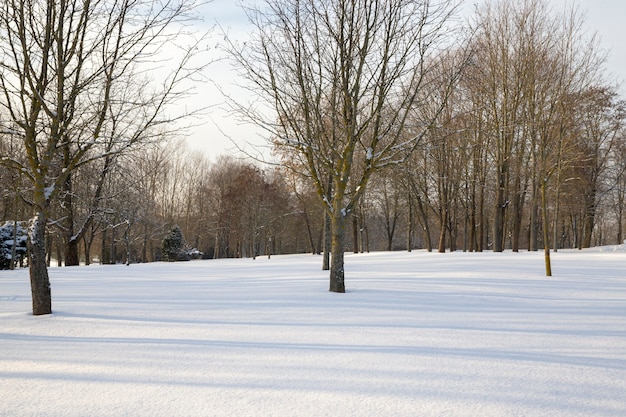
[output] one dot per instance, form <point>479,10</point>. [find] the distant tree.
<point>618,179</point>
<point>13,237</point>
<point>601,116</point>
<point>385,195</point>
<point>173,246</point>
<point>529,77</point>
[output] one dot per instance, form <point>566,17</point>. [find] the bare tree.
<point>535,66</point>
<point>618,179</point>
<point>601,116</point>
<point>385,194</point>
<point>339,78</point>
<point>74,83</point>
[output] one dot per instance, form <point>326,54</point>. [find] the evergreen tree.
<point>13,239</point>
<point>173,246</point>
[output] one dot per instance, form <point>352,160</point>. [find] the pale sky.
<point>607,18</point>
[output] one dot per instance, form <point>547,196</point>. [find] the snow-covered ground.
<point>417,334</point>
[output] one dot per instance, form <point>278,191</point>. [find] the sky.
<point>223,133</point>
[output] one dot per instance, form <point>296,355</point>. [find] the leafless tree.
<point>75,83</point>
<point>336,80</point>
<point>533,63</point>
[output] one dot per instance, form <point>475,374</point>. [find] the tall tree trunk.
<point>546,229</point>
<point>533,240</point>
<point>518,209</point>
<point>216,251</point>
<point>453,233</point>
<point>338,232</point>
<point>327,242</point>
<point>87,247</point>
<point>425,225</point>
<point>589,221</point>
<point>498,221</point>
<point>314,248</point>
<point>144,245</point>
<point>409,233</point>
<point>39,280</point>
<point>620,210</point>
<point>328,225</point>
<point>620,227</point>
<point>480,228</point>
<point>472,243</point>
<point>127,242</point>
<point>71,243</point>
<point>103,248</point>
<point>113,254</point>
<point>72,257</point>
<point>443,224</point>
<point>555,235</point>
<point>355,232</point>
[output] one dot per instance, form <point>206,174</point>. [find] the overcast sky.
<point>604,17</point>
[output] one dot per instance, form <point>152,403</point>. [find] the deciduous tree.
<point>339,78</point>
<point>74,86</point>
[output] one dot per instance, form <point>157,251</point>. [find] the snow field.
<point>417,334</point>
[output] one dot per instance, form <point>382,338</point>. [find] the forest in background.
<point>530,148</point>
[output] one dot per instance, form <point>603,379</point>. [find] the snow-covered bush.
<point>8,236</point>
<point>173,246</point>
<point>194,253</point>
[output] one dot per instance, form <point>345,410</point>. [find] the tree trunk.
<point>474,241</point>
<point>453,233</point>
<point>113,254</point>
<point>555,235</point>
<point>355,233</point>
<point>409,234</point>
<point>216,251</point>
<point>338,232</point>
<point>127,242</point>
<point>328,225</point>
<point>144,245</point>
<point>518,210</point>
<point>480,227</point>
<point>533,232</point>
<point>498,222</point>
<point>327,242</point>
<point>589,221</point>
<point>39,280</point>
<point>71,242</point>
<point>424,222</point>
<point>103,248</point>
<point>443,220</point>
<point>87,248</point>
<point>620,222</point>
<point>620,211</point>
<point>72,257</point>
<point>546,232</point>
<point>314,248</point>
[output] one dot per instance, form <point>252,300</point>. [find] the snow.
<point>416,334</point>
<point>48,192</point>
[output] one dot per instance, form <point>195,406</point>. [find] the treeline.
<point>529,150</point>
<point>233,208</point>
